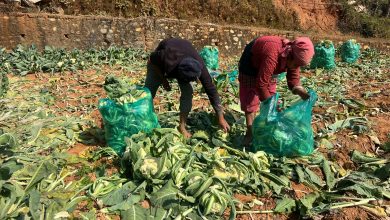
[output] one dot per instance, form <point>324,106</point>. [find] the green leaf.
<point>286,205</point>
<point>135,212</point>
<point>69,134</point>
<point>8,168</point>
<point>201,135</point>
<point>156,213</point>
<point>6,206</point>
<point>386,146</point>
<point>356,123</point>
<point>326,144</point>
<point>276,187</point>
<point>359,157</point>
<point>165,196</point>
<point>119,195</point>
<point>300,173</point>
<point>52,209</point>
<point>329,176</point>
<point>7,141</point>
<point>314,178</point>
<point>216,142</point>
<point>178,209</point>
<point>34,203</point>
<point>72,205</point>
<point>308,200</point>
<point>353,103</point>
<point>383,173</point>
<point>320,208</point>
<point>91,215</point>
<point>44,170</point>
<point>15,189</point>
<point>35,131</point>
<point>365,189</point>
<point>282,180</point>
<point>61,215</point>
<point>306,203</point>
<point>126,204</point>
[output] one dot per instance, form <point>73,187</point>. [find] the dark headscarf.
<point>189,69</point>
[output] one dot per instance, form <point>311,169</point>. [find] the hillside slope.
<point>316,15</point>
<point>323,16</point>
<point>268,13</point>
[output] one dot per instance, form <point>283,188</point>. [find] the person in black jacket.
<point>178,59</point>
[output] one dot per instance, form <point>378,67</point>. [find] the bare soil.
<point>315,15</point>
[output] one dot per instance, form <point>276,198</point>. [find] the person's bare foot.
<point>247,140</point>
<point>184,132</point>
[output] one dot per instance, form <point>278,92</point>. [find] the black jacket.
<point>168,55</point>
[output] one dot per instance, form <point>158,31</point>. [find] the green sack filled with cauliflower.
<point>324,56</point>
<point>127,111</point>
<point>209,55</point>
<point>350,51</point>
<point>285,133</point>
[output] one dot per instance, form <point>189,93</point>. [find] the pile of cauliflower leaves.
<point>198,178</point>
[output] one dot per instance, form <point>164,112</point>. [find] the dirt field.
<point>77,94</point>
<point>55,161</point>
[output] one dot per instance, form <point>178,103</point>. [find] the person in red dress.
<point>263,59</point>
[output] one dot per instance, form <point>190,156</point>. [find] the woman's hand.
<point>299,90</point>
<point>223,123</point>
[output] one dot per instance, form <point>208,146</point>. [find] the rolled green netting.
<point>287,133</point>
<point>125,119</point>
<point>350,51</point>
<point>324,55</point>
<point>3,83</point>
<point>209,55</point>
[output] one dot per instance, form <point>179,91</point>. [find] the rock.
<point>16,3</point>
<point>28,3</point>
<point>375,140</point>
<point>55,10</point>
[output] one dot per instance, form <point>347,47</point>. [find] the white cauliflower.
<point>149,167</point>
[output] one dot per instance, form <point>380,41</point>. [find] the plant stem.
<point>378,162</point>
<point>344,197</point>
<point>344,205</point>
<point>255,212</point>
<point>184,214</point>
<point>237,152</point>
<point>186,198</point>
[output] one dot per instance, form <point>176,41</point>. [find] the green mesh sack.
<point>3,83</point>
<point>287,133</point>
<point>324,55</point>
<point>350,51</point>
<point>4,69</point>
<point>125,119</point>
<point>209,55</point>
